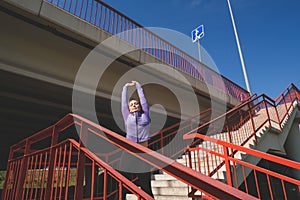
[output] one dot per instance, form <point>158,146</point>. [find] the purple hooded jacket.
<point>137,124</point>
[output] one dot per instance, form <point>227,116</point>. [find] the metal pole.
<point>199,51</point>
<point>239,48</point>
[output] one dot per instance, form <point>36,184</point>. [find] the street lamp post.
<point>197,34</point>
<point>239,48</point>
<point>199,51</point>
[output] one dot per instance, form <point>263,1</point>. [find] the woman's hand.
<point>132,83</point>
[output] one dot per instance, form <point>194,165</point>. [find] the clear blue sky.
<point>269,32</point>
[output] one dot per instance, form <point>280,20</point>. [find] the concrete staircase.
<point>166,187</point>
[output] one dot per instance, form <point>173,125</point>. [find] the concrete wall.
<point>292,144</point>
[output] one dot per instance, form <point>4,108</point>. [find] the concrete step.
<point>171,198</point>
<point>133,197</point>
<point>168,183</point>
<point>174,191</point>
<point>166,187</point>
<point>163,177</point>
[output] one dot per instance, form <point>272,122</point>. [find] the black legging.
<point>144,181</point>
<point>130,162</point>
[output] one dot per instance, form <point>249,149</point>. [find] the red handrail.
<point>19,159</point>
<point>37,181</point>
<point>166,135</point>
<point>237,171</point>
<point>24,162</point>
<point>161,138</point>
<point>242,123</point>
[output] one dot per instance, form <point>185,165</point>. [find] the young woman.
<point>137,124</point>
<point>136,115</point>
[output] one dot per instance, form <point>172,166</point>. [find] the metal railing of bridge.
<point>114,22</point>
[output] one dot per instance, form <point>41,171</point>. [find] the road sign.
<point>198,33</point>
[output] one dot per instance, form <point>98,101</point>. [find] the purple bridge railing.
<point>112,21</point>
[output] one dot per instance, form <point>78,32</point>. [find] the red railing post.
<point>207,170</point>
<point>161,142</point>
<point>286,108</point>
<point>252,121</point>
<point>291,99</point>
<point>51,170</point>
<point>81,164</point>
<point>23,172</point>
<point>227,165</point>
<point>105,184</point>
<point>228,130</point>
<point>67,180</point>
<point>8,171</point>
<point>278,118</point>
<point>190,159</point>
<point>267,111</point>
<point>228,134</point>
<point>80,175</point>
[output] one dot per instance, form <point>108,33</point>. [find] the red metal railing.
<point>167,136</point>
<point>168,141</point>
<point>48,174</point>
<point>49,166</point>
<point>245,121</point>
<point>240,126</point>
<point>42,164</point>
<point>164,137</point>
<point>112,21</point>
<point>247,176</point>
<point>160,141</point>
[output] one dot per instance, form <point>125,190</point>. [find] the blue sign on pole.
<point>198,33</point>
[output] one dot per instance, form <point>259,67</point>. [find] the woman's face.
<point>134,106</point>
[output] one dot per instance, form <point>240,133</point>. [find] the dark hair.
<point>136,99</point>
